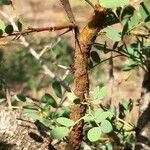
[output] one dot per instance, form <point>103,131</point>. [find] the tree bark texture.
<point>18,132</point>
<point>80,70</point>
<point>143,125</point>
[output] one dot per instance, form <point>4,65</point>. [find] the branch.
<point>31,30</point>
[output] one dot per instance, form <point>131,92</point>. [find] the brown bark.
<point>143,126</point>
<point>18,132</point>
<point>81,79</point>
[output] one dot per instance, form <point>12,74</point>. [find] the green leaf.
<point>94,134</point>
<point>95,57</point>
<point>57,88</point>
<point>100,115</point>
<point>127,104</point>
<point>34,116</point>
<point>109,146</point>
<point>65,121</point>
<point>125,29</point>
<point>73,98</point>
<point>9,29</point>
<point>87,118</point>
<point>1,32</point>
<point>134,20</point>
<point>113,3</point>
<point>106,126</point>
<point>100,93</point>
<point>29,109</point>
<point>46,112</point>
<point>59,132</point>
<point>113,33</point>
<point>127,13</point>
<point>128,67</point>
<point>96,101</point>
<point>5,2</point>
<point>65,112</point>
<point>144,11</point>
<point>24,99</point>
<point>19,25</point>
<point>2,25</point>
<point>48,99</point>
<point>104,91</point>
<point>147,19</point>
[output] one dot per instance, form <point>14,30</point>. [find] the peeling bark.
<point>81,79</point>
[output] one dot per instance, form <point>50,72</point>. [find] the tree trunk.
<point>80,69</point>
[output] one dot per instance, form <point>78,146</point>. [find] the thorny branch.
<point>17,34</point>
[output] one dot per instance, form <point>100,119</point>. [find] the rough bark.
<point>18,132</point>
<point>80,69</point>
<point>143,126</point>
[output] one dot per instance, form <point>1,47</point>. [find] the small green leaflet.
<point>100,92</point>
<point>94,134</point>
<point>59,132</point>
<point>113,3</point>
<point>24,99</point>
<point>48,99</point>
<point>144,11</point>
<point>5,2</point>
<point>101,115</point>
<point>73,98</point>
<point>65,121</point>
<point>2,25</point>
<point>113,33</point>
<point>57,88</point>
<point>95,57</point>
<point>9,29</point>
<point>106,126</point>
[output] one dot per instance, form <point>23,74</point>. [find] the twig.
<point>31,30</point>
<point>8,98</point>
<point>111,78</point>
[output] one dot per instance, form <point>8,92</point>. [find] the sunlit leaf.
<point>101,115</point>
<point>134,20</point>
<point>2,25</point>
<point>87,118</point>
<point>113,3</point>
<point>113,33</point>
<point>73,98</point>
<point>59,132</point>
<point>94,134</point>
<point>65,121</point>
<point>144,11</point>
<point>100,92</point>
<point>106,126</point>
<point>29,109</point>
